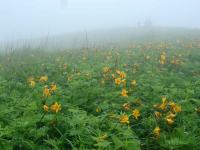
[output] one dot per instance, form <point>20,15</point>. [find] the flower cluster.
<point>163,59</point>
<point>167,111</point>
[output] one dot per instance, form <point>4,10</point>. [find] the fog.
<point>21,19</point>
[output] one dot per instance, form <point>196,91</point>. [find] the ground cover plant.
<point>145,96</point>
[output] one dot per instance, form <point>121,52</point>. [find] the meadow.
<point>145,96</point>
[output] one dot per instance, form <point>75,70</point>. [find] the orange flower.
<point>136,113</point>
<point>118,81</point>
<point>43,78</point>
<point>55,107</point>
<point>53,87</point>
<point>169,121</point>
<point>156,132</point>
<point>164,103</point>
<point>46,92</point>
<point>170,118</point>
<point>124,119</point>
<point>124,93</point>
<point>176,108</point>
<point>122,74</point>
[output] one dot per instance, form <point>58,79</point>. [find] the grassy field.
<point>145,96</point>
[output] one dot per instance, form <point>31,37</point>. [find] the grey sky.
<point>33,18</point>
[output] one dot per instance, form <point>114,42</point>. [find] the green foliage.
<point>92,104</point>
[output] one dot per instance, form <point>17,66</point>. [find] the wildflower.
<point>124,93</point>
<point>136,113</point>
<point>118,81</point>
<point>156,132</point>
<point>124,81</point>
<point>106,69</point>
<point>53,87</point>
<point>171,115</point>
<point>164,103</point>
<point>176,108</point>
<point>122,74</point>
<point>133,83</point>
<point>118,72</point>
<point>124,119</point>
<point>43,78</point>
<point>46,108</point>
<point>162,60</point>
<point>126,106</point>
<point>55,107</point>
<point>98,110</point>
<point>157,114</point>
<point>113,76</point>
<point>46,92</point>
<point>169,121</point>
<point>170,118</point>
<point>32,84</point>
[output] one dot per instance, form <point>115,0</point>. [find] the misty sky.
<point>34,18</point>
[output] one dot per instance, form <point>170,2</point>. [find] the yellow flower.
<point>169,121</point>
<point>53,87</point>
<point>136,113</point>
<point>156,132</point>
<point>124,81</point>
<point>106,69</point>
<point>157,114</point>
<point>126,106</point>
<point>162,60</point>
<point>46,108</point>
<point>32,84</point>
<point>43,78</point>
<point>124,93</point>
<point>133,83</point>
<point>170,118</point>
<point>55,107</point>
<point>176,108</point>
<point>118,72</point>
<point>98,110</point>
<point>113,76</point>
<point>118,81</point>
<point>46,92</point>
<point>122,74</point>
<point>124,119</point>
<point>164,103</point>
